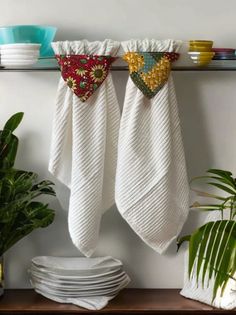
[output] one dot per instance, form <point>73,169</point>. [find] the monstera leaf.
<point>212,247</point>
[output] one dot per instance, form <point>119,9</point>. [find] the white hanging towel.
<point>85,135</point>
<point>152,192</point>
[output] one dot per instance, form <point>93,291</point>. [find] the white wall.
<point>206,104</point>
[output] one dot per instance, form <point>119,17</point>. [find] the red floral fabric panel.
<point>84,73</point>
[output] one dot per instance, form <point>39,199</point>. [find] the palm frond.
<point>212,254</point>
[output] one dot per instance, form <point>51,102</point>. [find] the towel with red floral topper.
<point>85,135</point>
<point>150,70</point>
<point>84,73</point>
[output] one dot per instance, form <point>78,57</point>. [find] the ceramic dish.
<point>198,53</point>
<point>77,265</point>
<point>200,45</point>
<point>206,43</point>
<point>79,287</point>
<point>18,64</point>
<point>199,48</point>
<point>85,293</point>
<point>47,290</point>
<point>231,57</point>
<point>224,54</point>
<point>82,288</point>
<point>78,276</point>
<point>39,34</point>
<point>201,58</point>
<point>19,53</point>
<point>201,41</point>
<point>201,62</point>
<point>20,46</point>
<point>17,57</point>
<point>223,50</point>
<point>83,281</point>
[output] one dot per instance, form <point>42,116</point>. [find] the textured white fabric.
<point>152,192</point>
<point>194,291</point>
<point>84,147</point>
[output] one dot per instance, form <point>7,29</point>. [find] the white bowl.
<point>18,63</point>
<point>200,58</point>
<point>202,54</point>
<point>18,57</point>
<point>77,265</point>
<point>8,52</point>
<point>21,46</point>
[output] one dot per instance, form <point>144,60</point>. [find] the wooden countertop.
<point>129,301</point>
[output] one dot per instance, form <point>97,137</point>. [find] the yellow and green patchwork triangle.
<point>150,70</point>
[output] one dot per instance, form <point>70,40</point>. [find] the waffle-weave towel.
<point>84,146</point>
<point>152,191</point>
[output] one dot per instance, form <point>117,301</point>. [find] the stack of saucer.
<point>224,53</point>
<point>19,55</point>
<point>86,282</point>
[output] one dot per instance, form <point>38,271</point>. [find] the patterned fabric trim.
<point>84,73</point>
<point>150,70</point>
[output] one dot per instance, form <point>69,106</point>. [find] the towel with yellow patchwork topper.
<point>151,180</point>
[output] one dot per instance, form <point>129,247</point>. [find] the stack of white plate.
<point>86,282</point>
<point>19,55</point>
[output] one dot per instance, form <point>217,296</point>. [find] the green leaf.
<point>225,188</point>
<point>226,180</point>
<point>83,60</point>
<point>194,243</point>
<point>221,173</point>
<point>20,214</point>
<point>212,248</point>
<point>202,249</point>
<point>14,121</point>
<point>207,207</point>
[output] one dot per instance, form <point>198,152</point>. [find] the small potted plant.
<point>20,210</point>
<point>212,247</point>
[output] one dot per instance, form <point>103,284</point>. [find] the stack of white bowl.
<point>86,282</point>
<point>19,55</point>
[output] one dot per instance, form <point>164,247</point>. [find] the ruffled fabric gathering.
<point>152,191</point>
<point>148,179</point>
<point>85,136</point>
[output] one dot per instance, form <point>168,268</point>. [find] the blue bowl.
<point>35,34</point>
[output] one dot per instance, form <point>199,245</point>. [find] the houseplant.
<point>212,247</point>
<point>20,213</point>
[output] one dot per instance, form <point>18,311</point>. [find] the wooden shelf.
<point>129,301</point>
